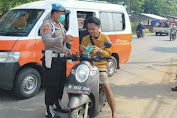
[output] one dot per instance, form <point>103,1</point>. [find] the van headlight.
<point>9,57</point>
<point>82,73</point>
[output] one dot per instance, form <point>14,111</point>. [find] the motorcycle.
<point>139,33</point>
<point>86,97</point>
<point>172,35</point>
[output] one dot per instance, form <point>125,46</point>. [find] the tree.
<point>158,7</point>
<point>137,6</point>
<point>5,5</point>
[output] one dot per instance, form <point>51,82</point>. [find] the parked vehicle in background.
<point>161,28</point>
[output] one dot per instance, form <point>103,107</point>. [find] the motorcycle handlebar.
<point>99,58</point>
<point>73,57</point>
<point>95,58</point>
<point>107,58</point>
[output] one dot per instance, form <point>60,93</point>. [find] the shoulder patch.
<point>46,28</point>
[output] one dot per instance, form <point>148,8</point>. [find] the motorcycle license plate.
<point>78,89</point>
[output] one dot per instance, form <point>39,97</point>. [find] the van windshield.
<point>19,22</point>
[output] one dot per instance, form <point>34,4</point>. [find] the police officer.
<point>54,38</point>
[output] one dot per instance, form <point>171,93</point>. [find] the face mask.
<point>62,18</point>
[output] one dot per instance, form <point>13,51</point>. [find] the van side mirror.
<point>68,45</point>
<point>108,44</point>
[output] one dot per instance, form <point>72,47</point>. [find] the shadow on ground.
<point>165,49</point>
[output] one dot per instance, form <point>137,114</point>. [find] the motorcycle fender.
<point>77,100</point>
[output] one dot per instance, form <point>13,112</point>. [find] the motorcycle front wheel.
<point>170,37</point>
<point>77,112</point>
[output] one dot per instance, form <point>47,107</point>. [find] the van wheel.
<point>112,65</point>
<point>27,83</point>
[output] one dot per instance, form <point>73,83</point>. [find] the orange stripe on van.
<point>27,49</point>
<point>121,46</point>
<point>6,44</point>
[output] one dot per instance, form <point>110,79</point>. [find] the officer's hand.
<point>68,38</point>
<point>82,48</point>
<point>69,55</point>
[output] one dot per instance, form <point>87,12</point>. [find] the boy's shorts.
<point>103,75</point>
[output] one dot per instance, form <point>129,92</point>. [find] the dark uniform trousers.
<point>54,80</point>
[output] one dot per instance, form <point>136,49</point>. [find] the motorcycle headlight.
<point>82,73</point>
<point>8,57</point>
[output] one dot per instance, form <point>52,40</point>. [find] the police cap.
<point>59,7</point>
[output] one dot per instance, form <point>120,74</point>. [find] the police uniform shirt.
<point>52,35</point>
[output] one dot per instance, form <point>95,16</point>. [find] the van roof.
<point>47,4</point>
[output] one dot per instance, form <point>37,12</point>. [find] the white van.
<point>21,44</point>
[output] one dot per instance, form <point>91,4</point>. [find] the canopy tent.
<point>155,17</point>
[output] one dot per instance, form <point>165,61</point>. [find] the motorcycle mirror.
<point>68,45</point>
<point>108,44</point>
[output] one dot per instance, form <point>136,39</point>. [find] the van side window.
<point>82,24</point>
<point>19,22</point>
<point>112,21</point>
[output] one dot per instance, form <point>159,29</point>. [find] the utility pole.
<point>131,3</point>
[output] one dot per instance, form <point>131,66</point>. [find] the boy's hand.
<point>97,50</point>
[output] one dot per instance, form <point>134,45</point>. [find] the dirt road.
<point>142,86</point>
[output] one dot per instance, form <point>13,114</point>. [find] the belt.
<point>58,54</point>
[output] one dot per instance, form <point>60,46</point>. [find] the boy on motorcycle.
<point>97,40</point>
<point>140,28</point>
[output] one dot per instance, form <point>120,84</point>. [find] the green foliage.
<point>5,5</point>
<point>158,7</point>
<point>137,6</point>
<point>134,25</point>
<point>147,31</point>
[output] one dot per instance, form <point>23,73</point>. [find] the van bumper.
<point>7,74</point>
